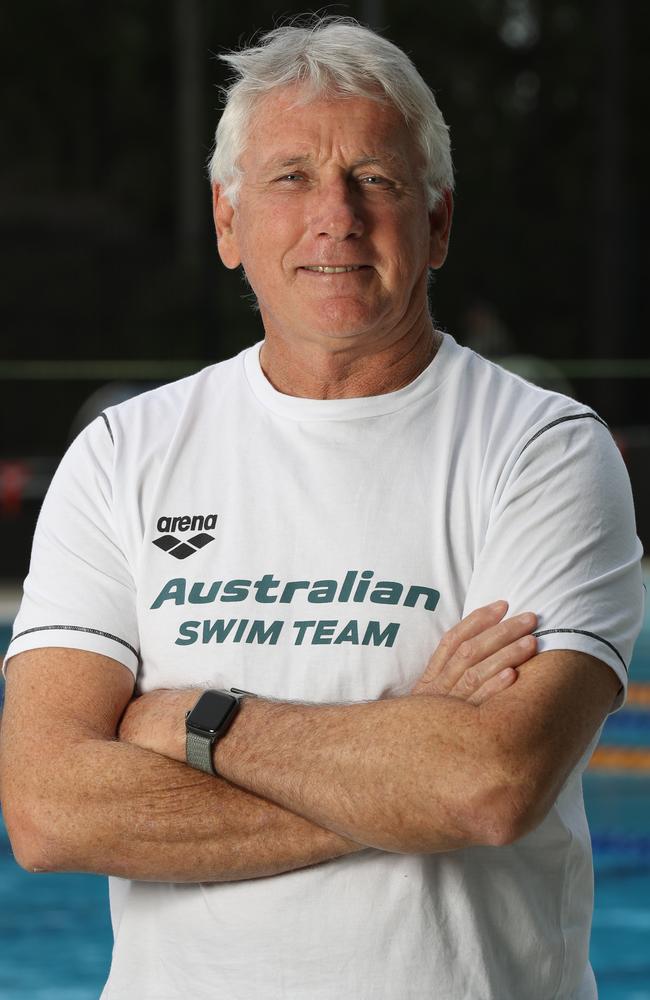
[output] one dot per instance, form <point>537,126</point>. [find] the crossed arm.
<point>468,757</point>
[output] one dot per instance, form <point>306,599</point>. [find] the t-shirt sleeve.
<point>561,542</point>
<point>80,592</point>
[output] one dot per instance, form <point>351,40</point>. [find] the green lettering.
<point>258,633</point>
<point>291,588</point>
<point>241,628</point>
<point>431,597</point>
<point>323,633</point>
<point>174,590</point>
<point>218,628</point>
<point>386,592</point>
<point>322,592</point>
<point>196,595</point>
<point>349,633</point>
<point>263,587</point>
<point>375,637</point>
<point>346,586</point>
<point>302,628</point>
<point>236,590</point>
<point>189,633</point>
<point>362,586</point>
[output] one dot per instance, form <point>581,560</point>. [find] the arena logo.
<point>181,548</point>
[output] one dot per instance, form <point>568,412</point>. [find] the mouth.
<point>334,268</point>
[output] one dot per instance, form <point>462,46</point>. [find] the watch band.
<point>198,752</point>
<point>207,722</point>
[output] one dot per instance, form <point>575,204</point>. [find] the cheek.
<point>267,237</point>
<point>409,256</point>
<point>405,232</point>
<point>417,248</point>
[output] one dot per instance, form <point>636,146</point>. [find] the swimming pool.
<point>55,936</point>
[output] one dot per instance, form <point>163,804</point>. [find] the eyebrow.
<point>281,162</point>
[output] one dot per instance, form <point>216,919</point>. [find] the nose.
<point>336,212</point>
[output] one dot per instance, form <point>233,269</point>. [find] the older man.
<point>274,547</point>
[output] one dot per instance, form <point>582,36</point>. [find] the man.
<point>307,522</point>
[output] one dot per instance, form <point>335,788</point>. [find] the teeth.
<point>334,270</point>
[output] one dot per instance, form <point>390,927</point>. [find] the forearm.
<point>112,808</point>
<point>404,774</point>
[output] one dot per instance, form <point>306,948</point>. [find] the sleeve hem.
<point>75,637</point>
<point>587,642</point>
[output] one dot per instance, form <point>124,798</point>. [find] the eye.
<point>289,178</point>
<point>373,180</point>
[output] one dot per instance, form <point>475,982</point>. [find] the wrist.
<point>261,741</point>
<point>237,757</point>
<point>156,721</point>
<point>232,747</point>
<point>208,722</point>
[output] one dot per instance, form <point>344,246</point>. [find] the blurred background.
<point>111,283</point>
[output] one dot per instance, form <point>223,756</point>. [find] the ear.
<point>439,230</point>
<point>223,214</point>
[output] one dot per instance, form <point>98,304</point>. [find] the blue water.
<point>55,937</point>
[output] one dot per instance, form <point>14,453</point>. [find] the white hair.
<point>329,55</point>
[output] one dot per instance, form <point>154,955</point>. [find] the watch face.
<point>211,711</point>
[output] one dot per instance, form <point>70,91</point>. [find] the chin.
<point>341,323</point>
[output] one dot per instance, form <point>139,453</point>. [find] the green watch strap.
<point>198,752</point>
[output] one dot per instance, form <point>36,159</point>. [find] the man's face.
<point>335,184</point>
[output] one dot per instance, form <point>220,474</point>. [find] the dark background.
<point>107,253</point>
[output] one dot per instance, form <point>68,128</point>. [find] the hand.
<point>479,657</point>
<point>156,721</point>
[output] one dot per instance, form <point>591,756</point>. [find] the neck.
<point>317,371</point>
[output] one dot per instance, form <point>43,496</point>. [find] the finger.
<point>476,651</point>
<point>433,677</point>
<point>509,657</point>
<point>500,682</point>
<point>472,625</point>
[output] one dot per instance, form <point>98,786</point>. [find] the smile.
<point>333,270</point>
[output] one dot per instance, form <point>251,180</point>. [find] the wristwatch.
<point>210,718</point>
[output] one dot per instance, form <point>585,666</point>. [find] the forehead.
<point>288,124</point>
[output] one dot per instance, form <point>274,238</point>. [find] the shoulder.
<point>507,416</point>
<point>132,443</point>
<point>159,411</point>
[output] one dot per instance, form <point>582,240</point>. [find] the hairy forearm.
<point>404,774</point>
<point>113,808</point>
<point>303,783</point>
<point>418,773</point>
<point>425,773</point>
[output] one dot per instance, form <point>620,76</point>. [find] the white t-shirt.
<point>217,532</point>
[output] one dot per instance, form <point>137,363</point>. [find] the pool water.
<point>55,936</point>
